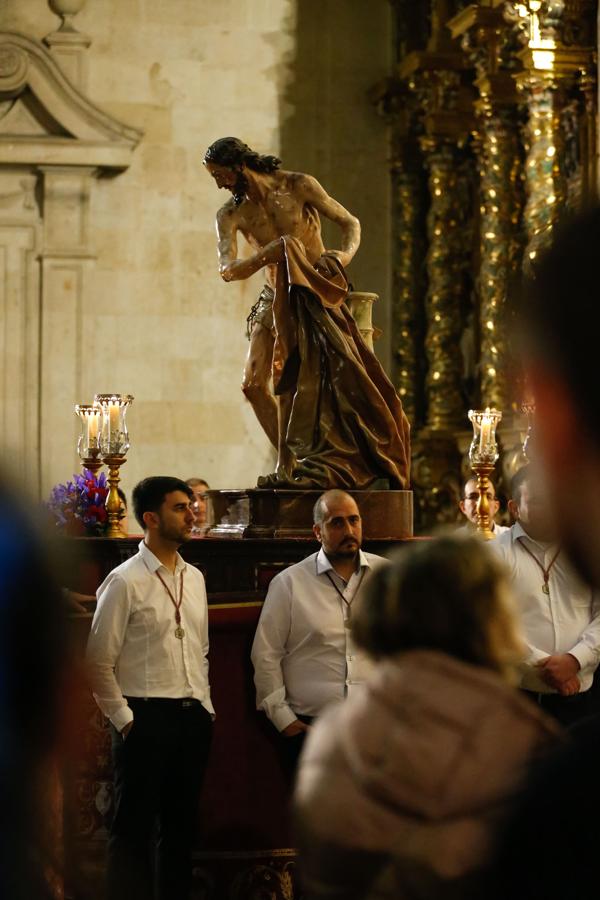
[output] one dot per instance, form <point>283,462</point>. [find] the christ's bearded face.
<point>231,178</point>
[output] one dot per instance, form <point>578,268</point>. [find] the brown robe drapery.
<point>341,421</point>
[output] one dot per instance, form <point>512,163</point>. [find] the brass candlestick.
<point>483,454</point>
<point>92,463</point>
<point>113,501</point>
<point>484,524</point>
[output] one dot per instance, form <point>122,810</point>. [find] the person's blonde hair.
<point>449,594</point>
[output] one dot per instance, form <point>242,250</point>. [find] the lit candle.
<point>92,428</point>
<point>113,421</point>
<point>486,432</point>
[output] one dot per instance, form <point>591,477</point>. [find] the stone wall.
<point>155,320</point>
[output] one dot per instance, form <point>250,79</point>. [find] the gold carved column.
<point>407,280</point>
<point>486,40</point>
<point>397,105</point>
<point>557,83</point>
<point>448,232</point>
<point>436,77</point>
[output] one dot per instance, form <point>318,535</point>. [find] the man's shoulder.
<point>130,566</point>
<point>375,561</point>
<point>303,569</point>
<point>129,570</point>
<point>194,574</point>
<point>308,565</point>
<point>503,541</point>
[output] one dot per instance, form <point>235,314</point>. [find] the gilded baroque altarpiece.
<point>493,112</point>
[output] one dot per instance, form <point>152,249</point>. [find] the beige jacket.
<point>412,777</point>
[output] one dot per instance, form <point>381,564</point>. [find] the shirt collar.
<point>517,531</point>
<point>154,564</point>
<point>324,565</point>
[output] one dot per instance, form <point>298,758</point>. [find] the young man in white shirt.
<point>304,655</point>
<point>468,507</point>
<point>560,614</point>
<point>147,657</point>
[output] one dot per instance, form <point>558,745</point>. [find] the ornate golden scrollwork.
<point>554,83</point>
<point>489,45</point>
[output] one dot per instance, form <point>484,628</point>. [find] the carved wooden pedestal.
<point>386,515</point>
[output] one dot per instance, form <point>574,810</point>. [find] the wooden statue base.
<point>269,514</point>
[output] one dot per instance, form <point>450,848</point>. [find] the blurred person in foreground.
<point>33,693</point>
<point>401,789</point>
<point>561,360</point>
<point>551,843</point>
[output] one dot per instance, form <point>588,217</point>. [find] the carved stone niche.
<point>53,144</point>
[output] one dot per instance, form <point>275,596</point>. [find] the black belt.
<point>182,702</point>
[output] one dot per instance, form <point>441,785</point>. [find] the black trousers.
<point>569,711</point>
<point>158,773</point>
<point>290,749</point>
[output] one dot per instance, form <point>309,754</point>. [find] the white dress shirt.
<point>303,654</point>
<point>132,648</point>
<point>566,620</point>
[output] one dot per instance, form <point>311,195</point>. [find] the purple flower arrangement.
<point>78,506</point>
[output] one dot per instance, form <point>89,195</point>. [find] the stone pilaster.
<point>20,240</point>
<point>66,259</point>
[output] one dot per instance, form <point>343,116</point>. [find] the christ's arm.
<point>316,196</point>
<point>230,267</point>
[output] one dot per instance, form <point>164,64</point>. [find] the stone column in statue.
<point>335,419</point>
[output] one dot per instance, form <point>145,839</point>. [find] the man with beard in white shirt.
<point>147,656</point>
<point>560,614</point>
<point>304,654</point>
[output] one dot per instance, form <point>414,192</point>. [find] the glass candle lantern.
<point>88,445</point>
<point>484,448</point>
<point>528,407</point>
<point>91,424</point>
<point>114,438</point>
